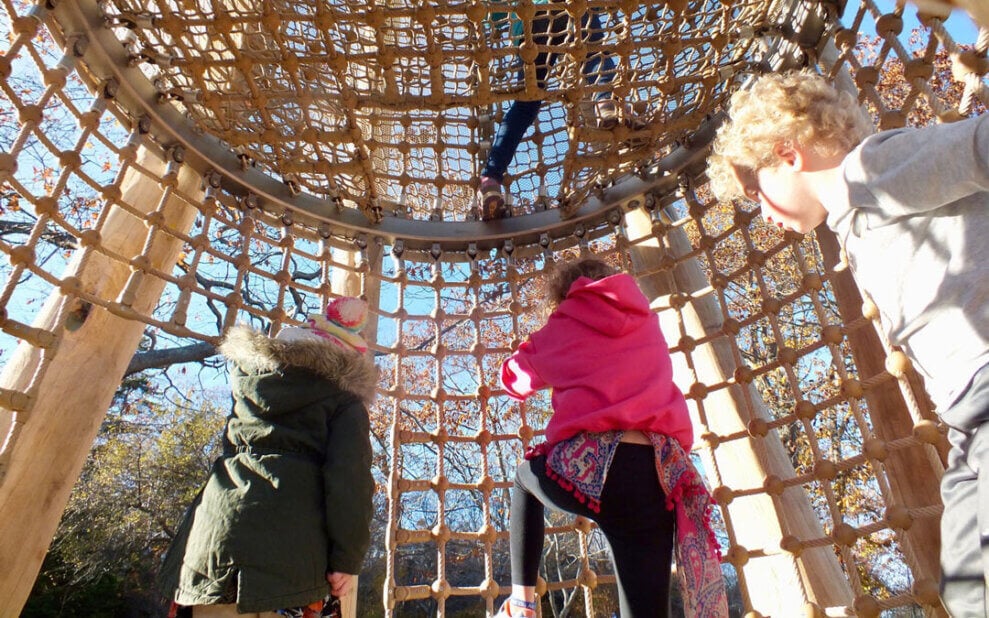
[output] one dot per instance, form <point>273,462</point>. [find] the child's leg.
<point>599,68</point>
<point>963,524</point>
<point>965,493</point>
<point>517,121</point>
<point>643,560</point>
<point>520,116</point>
<point>532,492</point>
<point>527,529</point>
<point>639,530</point>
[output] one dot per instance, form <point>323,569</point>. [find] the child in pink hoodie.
<point>616,447</point>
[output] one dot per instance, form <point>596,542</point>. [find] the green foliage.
<point>56,593</point>
<point>146,467</point>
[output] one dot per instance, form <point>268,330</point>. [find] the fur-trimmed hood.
<point>255,352</point>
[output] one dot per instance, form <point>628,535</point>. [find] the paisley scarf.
<point>580,466</point>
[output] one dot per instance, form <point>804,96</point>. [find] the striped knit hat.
<point>341,323</point>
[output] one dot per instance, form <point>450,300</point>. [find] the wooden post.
<point>760,521</point>
<point>349,283</point>
<point>73,391</point>
<point>348,604</point>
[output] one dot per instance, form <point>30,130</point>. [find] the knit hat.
<point>341,323</point>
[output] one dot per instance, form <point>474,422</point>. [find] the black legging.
<point>633,519</point>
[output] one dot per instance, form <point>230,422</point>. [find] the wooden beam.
<point>72,389</point>
<point>760,521</point>
<point>914,473</point>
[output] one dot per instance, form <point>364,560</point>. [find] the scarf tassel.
<point>592,503</point>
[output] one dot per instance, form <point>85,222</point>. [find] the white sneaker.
<point>506,611</point>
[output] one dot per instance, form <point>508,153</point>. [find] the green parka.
<point>290,499</point>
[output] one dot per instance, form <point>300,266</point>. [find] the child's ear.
<point>789,155</point>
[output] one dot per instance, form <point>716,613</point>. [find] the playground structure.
<point>209,163</point>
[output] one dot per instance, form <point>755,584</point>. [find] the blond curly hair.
<point>798,107</point>
<point>562,276</point>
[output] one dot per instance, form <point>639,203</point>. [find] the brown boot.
<point>606,114</point>
<point>490,199</point>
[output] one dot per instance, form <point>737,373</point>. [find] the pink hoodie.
<point>605,357</point>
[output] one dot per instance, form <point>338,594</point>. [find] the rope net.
<point>387,106</point>
<point>171,168</point>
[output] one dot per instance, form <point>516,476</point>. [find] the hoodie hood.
<point>256,353</point>
<point>604,355</point>
<point>612,306</point>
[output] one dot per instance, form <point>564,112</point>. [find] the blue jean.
<point>548,28</point>
<point>965,493</point>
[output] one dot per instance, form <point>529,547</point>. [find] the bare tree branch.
<point>160,359</point>
<point>60,239</point>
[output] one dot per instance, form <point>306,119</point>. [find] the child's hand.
<point>341,584</point>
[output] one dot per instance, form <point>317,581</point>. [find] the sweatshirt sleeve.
<point>917,170</point>
<point>518,376</point>
<point>349,488</point>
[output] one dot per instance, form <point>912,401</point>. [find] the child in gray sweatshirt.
<point>910,208</point>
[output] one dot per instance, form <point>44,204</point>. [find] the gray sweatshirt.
<point>914,223</point>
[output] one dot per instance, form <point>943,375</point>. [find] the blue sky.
<point>959,24</point>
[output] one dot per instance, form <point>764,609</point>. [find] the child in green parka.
<point>283,520</point>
